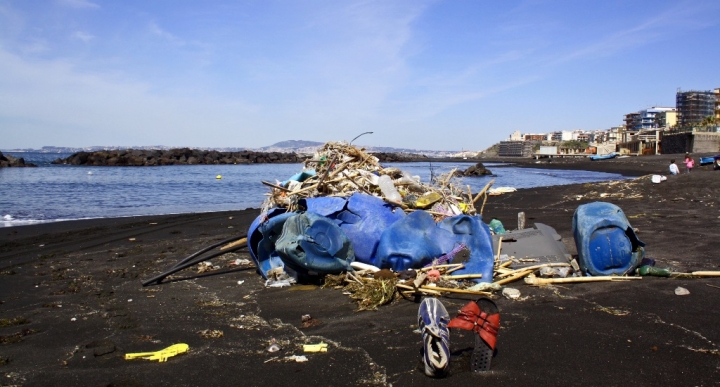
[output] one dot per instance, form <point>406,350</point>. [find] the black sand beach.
<point>72,303</point>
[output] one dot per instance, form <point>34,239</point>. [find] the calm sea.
<point>61,192</point>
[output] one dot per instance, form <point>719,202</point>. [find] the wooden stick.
<point>482,191</point>
<point>423,289</point>
<point>544,281</point>
<point>706,273</point>
<point>440,266</point>
<point>275,186</point>
<point>497,257</point>
<point>451,290</point>
<point>462,276</point>
<point>239,242</point>
<point>535,267</point>
<point>448,271</point>
<point>514,277</point>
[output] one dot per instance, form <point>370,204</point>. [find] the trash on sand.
<point>344,207</point>
<point>297,358</point>
<point>532,280</point>
<point>322,347</point>
<point>211,333</point>
<point>273,347</point>
<point>658,178</point>
<point>606,243</point>
<point>308,321</point>
<point>161,355</point>
<point>511,293</point>
<point>240,282</point>
<point>496,226</point>
<point>680,291</point>
<point>653,271</point>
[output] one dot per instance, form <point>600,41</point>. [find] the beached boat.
<point>603,157</point>
<point>708,160</point>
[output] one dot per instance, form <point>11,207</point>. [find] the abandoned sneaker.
<point>483,318</point>
<point>432,321</point>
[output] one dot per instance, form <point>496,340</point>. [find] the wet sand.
<point>72,303</point>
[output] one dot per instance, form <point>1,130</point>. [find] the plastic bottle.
<point>388,189</point>
<point>653,271</point>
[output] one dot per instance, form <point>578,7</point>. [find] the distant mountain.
<point>294,144</point>
<point>289,146</point>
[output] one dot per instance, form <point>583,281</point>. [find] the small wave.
<point>8,218</point>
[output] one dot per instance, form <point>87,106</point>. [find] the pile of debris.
<point>340,169</point>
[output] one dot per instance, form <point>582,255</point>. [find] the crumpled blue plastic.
<point>416,240</point>
<point>362,217</point>
<point>605,241</point>
<point>313,243</point>
<point>262,234</point>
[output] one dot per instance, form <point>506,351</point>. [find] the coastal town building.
<point>693,125</point>
<point>515,148</point>
<point>693,107</point>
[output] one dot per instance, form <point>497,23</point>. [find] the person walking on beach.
<point>689,162</point>
<point>674,168</point>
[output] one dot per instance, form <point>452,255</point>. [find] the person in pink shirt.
<point>689,162</point>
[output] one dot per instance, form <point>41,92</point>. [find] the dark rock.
<point>7,161</point>
<point>476,170</point>
<point>181,156</point>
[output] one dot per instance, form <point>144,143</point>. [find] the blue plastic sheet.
<point>605,241</point>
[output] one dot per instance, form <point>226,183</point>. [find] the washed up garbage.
<point>605,241</point>
<point>496,226</point>
<point>501,190</point>
<point>658,178</point>
<point>648,270</point>
<point>555,272</point>
<point>511,293</point>
<point>344,207</point>
<point>680,291</point>
<point>161,355</point>
<point>322,347</point>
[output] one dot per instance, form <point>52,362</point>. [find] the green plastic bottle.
<point>653,271</point>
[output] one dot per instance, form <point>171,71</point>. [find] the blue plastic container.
<point>605,241</point>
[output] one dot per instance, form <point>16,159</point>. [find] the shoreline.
<point>638,332</point>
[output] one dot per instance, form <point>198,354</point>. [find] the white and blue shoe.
<point>432,321</point>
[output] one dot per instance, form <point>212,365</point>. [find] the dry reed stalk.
<point>536,267</point>
<point>546,281</point>
<point>461,266</point>
<point>706,273</point>
<point>448,265</point>
<point>514,277</point>
<point>421,289</point>
<point>462,276</point>
<point>482,191</point>
<point>450,290</point>
<point>239,242</point>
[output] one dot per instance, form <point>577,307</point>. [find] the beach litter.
<point>161,355</point>
<point>345,213</point>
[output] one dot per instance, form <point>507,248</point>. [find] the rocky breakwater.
<point>184,156</point>
<point>9,161</point>
<point>476,170</point>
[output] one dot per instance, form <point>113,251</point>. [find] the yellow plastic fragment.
<point>322,347</point>
<point>428,199</point>
<point>161,355</point>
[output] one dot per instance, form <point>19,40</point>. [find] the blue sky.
<point>441,75</point>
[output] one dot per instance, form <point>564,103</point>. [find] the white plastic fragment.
<point>297,358</point>
<point>511,293</point>
<point>679,291</point>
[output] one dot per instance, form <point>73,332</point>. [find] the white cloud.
<point>84,36</point>
<point>157,31</point>
<point>78,3</point>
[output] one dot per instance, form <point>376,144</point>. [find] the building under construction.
<point>693,106</point>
